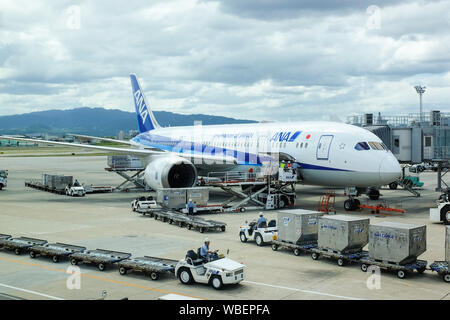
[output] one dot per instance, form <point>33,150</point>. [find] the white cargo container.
<point>297,226</point>
<point>396,243</point>
<point>342,233</point>
<point>173,198</point>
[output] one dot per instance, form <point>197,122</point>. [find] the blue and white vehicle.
<point>326,153</point>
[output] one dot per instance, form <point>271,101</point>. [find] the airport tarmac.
<point>106,221</point>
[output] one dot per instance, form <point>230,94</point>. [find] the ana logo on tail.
<point>140,104</point>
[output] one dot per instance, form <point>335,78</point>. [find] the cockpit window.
<point>376,145</point>
<point>362,146</point>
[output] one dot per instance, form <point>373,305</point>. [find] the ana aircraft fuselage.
<point>329,153</point>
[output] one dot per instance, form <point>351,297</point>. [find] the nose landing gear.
<point>351,204</point>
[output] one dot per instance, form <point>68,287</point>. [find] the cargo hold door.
<point>323,147</point>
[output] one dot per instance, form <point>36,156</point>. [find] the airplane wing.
<point>100,138</point>
<point>130,151</point>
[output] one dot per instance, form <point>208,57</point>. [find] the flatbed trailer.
<point>342,258</point>
<point>401,270</point>
<point>150,266</point>
<point>210,208</point>
<point>297,249</point>
<point>203,225</point>
<point>99,257</point>
<point>55,250</point>
<point>20,244</point>
<point>190,222</point>
<point>39,186</point>
<point>442,268</point>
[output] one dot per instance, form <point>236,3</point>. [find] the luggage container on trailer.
<point>395,247</point>
<point>342,238</point>
<point>443,267</point>
<point>297,230</point>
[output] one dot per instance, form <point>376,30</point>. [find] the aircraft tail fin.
<point>145,118</point>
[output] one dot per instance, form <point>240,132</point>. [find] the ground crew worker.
<point>190,207</point>
<point>261,220</point>
<point>204,250</point>
<point>76,183</point>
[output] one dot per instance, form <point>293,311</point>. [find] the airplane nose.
<point>390,170</point>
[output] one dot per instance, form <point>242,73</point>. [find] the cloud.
<point>262,60</point>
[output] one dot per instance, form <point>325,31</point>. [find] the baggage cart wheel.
<point>180,224</point>
<point>170,221</point>
<point>446,277</point>
<point>315,256</point>
<point>17,251</point>
<point>243,237</point>
<point>123,271</point>
<point>202,230</point>
<point>73,261</point>
<point>217,283</point>
<point>154,276</point>
<point>185,276</point>
<point>341,262</point>
<point>55,259</point>
<point>274,247</point>
<point>421,270</point>
<point>297,252</point>
<point>32,254</point>
<point>259,240</point>
<point>101,266</point>
<point>364,267</point>
<point>223,228</point>
<point>401,274</point>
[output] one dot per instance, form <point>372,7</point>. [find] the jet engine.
<point>170,172</point>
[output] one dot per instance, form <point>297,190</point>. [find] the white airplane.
<point>327,153</point>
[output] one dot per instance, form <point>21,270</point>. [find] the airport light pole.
<point>420,90</point>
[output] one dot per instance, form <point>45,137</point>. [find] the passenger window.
<point>301,145</point>
<point>362,146</point>
<point>306,145</point>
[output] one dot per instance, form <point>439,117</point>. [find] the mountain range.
<point>97,121</point>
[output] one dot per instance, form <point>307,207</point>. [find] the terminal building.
<point>413,138</point>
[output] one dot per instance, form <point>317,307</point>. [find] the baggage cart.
<point>20,244</point>
<point>402,270</point>
<point>150,266</point>
<point>55,250</point>
<point>342,258</point>
<point>297,249</point>
<point>442,268</point>
<point>203,225</point>
<point>100,257</point>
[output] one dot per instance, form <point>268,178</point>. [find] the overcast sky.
<point>253,59</point>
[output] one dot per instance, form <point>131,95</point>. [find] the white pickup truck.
<point>74,191</point>
<point>3,178</point>
<point>144,203</point>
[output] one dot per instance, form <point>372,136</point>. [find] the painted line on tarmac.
<point>302,290</point>
<point>30,291</point>
<point>127,284</point>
